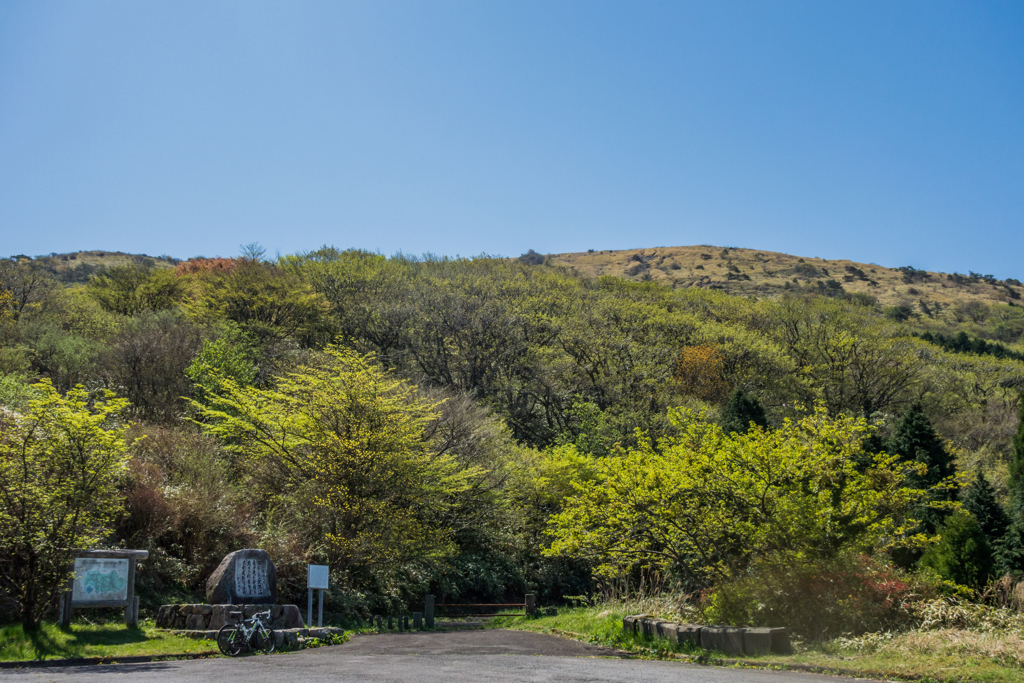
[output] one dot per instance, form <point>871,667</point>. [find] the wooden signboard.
<point>103,578</point>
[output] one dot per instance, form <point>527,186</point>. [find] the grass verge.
<point>930,656</point>
<point>100,640</point>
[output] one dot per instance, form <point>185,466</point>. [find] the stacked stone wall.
<point>212,617</point>
<point>726,639</point>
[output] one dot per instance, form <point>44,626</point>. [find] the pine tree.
<point>963,553</point>
<point>739,411</point>
<point>1011,549</point>
<point>980,500</point>
<point>1017,468</point>
<point>914,439</point>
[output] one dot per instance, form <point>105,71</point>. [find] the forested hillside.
<point>478,428</point>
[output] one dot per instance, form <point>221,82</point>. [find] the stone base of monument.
<point>285,637</point>
<point>211,617</point>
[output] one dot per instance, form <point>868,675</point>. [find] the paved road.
<point>455,657</point>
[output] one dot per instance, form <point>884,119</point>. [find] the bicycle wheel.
<point>229,640</point>
<point>263,640</point>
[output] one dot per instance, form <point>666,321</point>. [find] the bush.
<point>819,599</point>
<point>963,554</point>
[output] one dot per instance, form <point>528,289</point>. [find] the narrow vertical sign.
<point>316,578</point>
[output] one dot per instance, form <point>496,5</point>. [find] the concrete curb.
<point>704,660</point>
<point>97,661</point>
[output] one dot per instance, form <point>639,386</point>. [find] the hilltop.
<point>78,266</point>
<point>750,272</point>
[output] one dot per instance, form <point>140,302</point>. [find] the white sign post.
<point>316,577</point>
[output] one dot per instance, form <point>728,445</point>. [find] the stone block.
<point>211,635</point>
<point>185,610</point>
<point>667,630</point>
<point>688,634</point>
<point>278,639</point>
<point>205,610</point>
<point>291,638</point>
<point>649,627</point>
<point>291,616</point>
<point>724,639</point>
<point>195,622</point>
<point>758,641</point>
<point>631,623</point>
<point>179,620</point>
<point>276,611</point>
<point>316,633</point>
<point>244,576</point>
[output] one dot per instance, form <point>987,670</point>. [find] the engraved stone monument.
<point>244,577</point>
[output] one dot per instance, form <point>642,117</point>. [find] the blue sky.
<point>886,132</point>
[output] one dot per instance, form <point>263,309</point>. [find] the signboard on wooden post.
<point>102,578</point>
<point>317,576</point>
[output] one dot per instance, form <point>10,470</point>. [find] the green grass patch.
<point>937,656</point>
<point>100,640</point>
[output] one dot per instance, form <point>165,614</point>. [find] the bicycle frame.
<point>249,626</point>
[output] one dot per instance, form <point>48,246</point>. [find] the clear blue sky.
<point>889,132</point>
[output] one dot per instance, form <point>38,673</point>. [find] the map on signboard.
<point>251,578</point>
<point>100,580</point>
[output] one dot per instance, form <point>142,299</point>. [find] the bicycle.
<point>251,633</point>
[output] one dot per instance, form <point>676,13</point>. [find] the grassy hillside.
<point>940,302</point>
<point>750,272</point>
<point>80,265</point>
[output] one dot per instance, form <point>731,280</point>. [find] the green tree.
<point>914,439</point>
<point>131,289</point>
<point>704,504</point>
<point>342,437</point>
<point>60,464</point>
<point>269,302</point>
<point>979,499</point>
<point>1011,550</point>
<point>740,411</point>
<point>963,553</point>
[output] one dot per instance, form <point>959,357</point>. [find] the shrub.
<point>819,598</point>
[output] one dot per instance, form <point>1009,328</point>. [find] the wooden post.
<point>428,610</point>
<point>531,603</point>
<point>391,623</point>
<point>129,611</point>
<point>405,623</point>
<point>65,615</point>
<point>417,621</point>
<point>359,620</point>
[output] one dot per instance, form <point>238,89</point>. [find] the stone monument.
<point>244,577</point>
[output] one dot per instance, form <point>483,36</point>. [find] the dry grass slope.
<point>748,272</point>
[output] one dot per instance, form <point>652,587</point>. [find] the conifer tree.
<point>739,411</point>
<point>1011,550</point>
<point>914,440</point>
<point>963,554</point>
<point>980,500</point>
<point>1017,468</point>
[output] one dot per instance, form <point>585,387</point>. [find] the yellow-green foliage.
<point>704,503</point>
<point>60,465</point>
<point>350,439</point>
